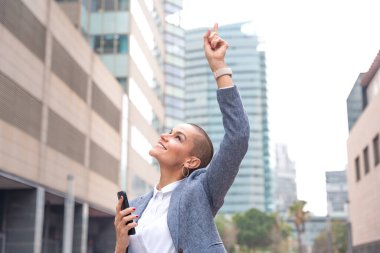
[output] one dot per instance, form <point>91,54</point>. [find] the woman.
<point>178,215</point>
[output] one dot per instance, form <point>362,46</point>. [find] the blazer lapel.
<point>142,203</point>
<point>173,217</point>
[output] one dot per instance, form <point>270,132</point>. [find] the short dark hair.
<point>203,148</point>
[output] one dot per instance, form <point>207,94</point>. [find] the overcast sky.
<point>315,51</point>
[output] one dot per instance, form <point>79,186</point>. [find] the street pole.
<point>68,225</point>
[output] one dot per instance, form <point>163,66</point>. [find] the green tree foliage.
<point>227,231</point>
<point>279,235</point>
<point>254,229</point>
<point>339,238</point>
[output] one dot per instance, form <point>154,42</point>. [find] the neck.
<point>168,176</point>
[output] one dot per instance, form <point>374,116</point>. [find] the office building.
<point>174,37</point>
<point>286,187</point>
<point>253,185</point>
<point>363,171</point>
<point>67,125</point>
<point>128,36</point>
<point>337,194</point>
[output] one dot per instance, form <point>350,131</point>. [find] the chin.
<point>152,153</point>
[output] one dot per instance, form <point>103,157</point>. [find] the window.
<point>96,5</point>
<point>109,5</point>
<point>124,83</point>
<point>123,5</point>
<point>376,150</point>
<point>110,43</point>
<point>122,44</point>
<point>357,168</point>
<point>366,160</point>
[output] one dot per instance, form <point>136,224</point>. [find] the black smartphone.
<point>124,205</point>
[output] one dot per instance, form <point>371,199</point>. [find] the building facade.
<point>363,172</point>
<point>128,36</point>
<point>286,187</point>
<point>69,133</point>
<point>253,185</point>
<point>174,36</point>
<point>337,194</point>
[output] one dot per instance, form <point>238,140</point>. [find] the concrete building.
<point>363,172</point>
<point>286,187</point>
<point>337,194</point>
<point>69,134</point>
<point>128,36</point>
<point>253,185</point>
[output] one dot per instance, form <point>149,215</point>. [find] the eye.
<point>178,137</point>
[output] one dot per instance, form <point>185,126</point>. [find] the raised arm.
<point>225,164</point>
<point>215,50</point>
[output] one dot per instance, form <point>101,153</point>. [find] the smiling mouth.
<point>161,145</point>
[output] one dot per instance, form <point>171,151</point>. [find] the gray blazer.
<point>197,199</point>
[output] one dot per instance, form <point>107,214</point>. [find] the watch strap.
<point>222,72</point>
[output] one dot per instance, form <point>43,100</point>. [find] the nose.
<point>164,136</point>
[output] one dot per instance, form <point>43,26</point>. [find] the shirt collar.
<point>168,188</point>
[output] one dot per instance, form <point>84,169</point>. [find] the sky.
<point>315,51</point>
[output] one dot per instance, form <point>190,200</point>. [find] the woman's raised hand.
<point>215,49</point>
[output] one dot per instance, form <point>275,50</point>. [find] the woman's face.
<point>174,148</point>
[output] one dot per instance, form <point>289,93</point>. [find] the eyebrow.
<point>178,132</point>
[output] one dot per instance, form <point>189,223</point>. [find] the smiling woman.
<point>178,214</point>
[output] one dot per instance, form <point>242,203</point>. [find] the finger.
<point>129,218</point>
<point>215,42</point>
<point>127,211</point>
<point>131,225</point>
<point>216,27</point>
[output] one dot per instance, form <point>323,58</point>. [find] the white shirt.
<point>152,233</point>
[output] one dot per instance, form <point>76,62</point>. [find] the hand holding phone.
<point>124,205</point>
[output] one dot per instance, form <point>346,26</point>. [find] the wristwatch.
<point>222,72</point>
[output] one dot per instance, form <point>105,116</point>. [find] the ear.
<point>193,162</point>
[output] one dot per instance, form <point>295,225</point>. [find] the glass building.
<point>174,65</point>
<point>286,187</point>
<point>337,194</point>
<point>253,185</point>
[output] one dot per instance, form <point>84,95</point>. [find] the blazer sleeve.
<point>224,166</point>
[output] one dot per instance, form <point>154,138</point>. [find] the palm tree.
<point>300,216</point>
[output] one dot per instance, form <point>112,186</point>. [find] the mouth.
<point>161,145</point>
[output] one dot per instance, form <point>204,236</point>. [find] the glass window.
<point>122,44</point>
<point>123,82</point>
<point>108,44</point>
<point>96,5</point>
<point>109,5</point>
<point>97,43</point>
<point>366,160</point>
<point>357,168</point>
<point>376,150</point>
<point>123,5</point>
